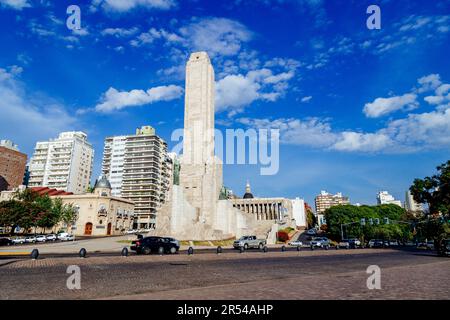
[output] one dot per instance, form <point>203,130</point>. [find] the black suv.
<point>5,242</point>
<point>155,245</point>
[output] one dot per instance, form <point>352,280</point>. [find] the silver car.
<point>18,240</point>
<point>41,238</point>
<point>321,242</point>
<point>30,239</point>
<point>51,237</point>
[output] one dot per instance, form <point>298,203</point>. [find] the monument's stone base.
<point>179,219</point>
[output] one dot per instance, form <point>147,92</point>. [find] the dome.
<point>248,193</point>
<point>102,182</point>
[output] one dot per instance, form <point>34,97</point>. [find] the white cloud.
<point>430,82</point>
<point>43,116</point>
<point>235,92</point>
<point>113,99</point>
<point>154,34</point>
<point>434,99</point>
<point>127,5</point>
<point>176,72</point>
<point>312,132</point>
<point>119,32</point>
<point>382,106</point>
<point>443,89</point>
<point>433,82</point>
<point>422,131</point>
<point>306,99</point>
<point>15,4</point>
<point>413,133</point>
<point>356,141</point>
<point>217,36</point>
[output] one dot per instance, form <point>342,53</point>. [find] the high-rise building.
<point>326,200</point>
<point>64,163</point>
<point>411,204</point>
<point>139,169</point>
<point>383,197</point>
<point>12,165</point>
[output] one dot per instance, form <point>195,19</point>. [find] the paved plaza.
<point>319,274</point>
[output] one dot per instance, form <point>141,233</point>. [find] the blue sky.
<point>358,110</point>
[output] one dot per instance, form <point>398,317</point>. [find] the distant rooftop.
<point>9,144</point>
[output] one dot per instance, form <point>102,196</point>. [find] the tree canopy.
<point>28,209</point>
<point>346,214</point>
<point>434,190</point>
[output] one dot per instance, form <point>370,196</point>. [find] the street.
<point>319,274</point>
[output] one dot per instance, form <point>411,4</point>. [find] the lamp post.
<point>342,228</point>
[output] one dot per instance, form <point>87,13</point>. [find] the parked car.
<point>409,244</point>
<point>66,237</point>
<point>149,245</point>
<point>321,242</point>
<point>376,243</point>
<point>248,242</point>
<point>51,237</point>
<point>430,245</point>
<point>311,232</point>
<point>354,243</point>
<point>18,240</point>
<point>131,231</point>
<point>394,243</point>
<point>444,248</point>
<point>296,243</point>
<point>62,235</point>
<point>30,239</point>
<point>344,244</point>
<point>5,242</point>
<point>41,238</point>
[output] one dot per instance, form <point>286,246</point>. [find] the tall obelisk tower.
<point>201,172</point>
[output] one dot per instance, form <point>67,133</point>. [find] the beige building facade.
<point>326,200</point>
<point>99,213</point>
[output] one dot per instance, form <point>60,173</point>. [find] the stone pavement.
<point>252,275</point>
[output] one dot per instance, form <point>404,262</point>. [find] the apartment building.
<point>383,197</point>
<point>139,169</point>
<point>412,205</point>
<point>326,200</point>
<point>64,163</point>
<point>12,165</point>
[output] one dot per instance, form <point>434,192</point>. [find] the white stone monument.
<point>193,210</point>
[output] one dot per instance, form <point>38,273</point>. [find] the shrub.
<point>283,236</point>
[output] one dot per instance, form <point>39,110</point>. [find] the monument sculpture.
<point>195,209</point>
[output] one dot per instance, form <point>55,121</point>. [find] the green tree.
<point>350,216</point>
<point>45,216</point>
<point>310,218</point>
<point>434,191</point>
<point>69,213</point>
